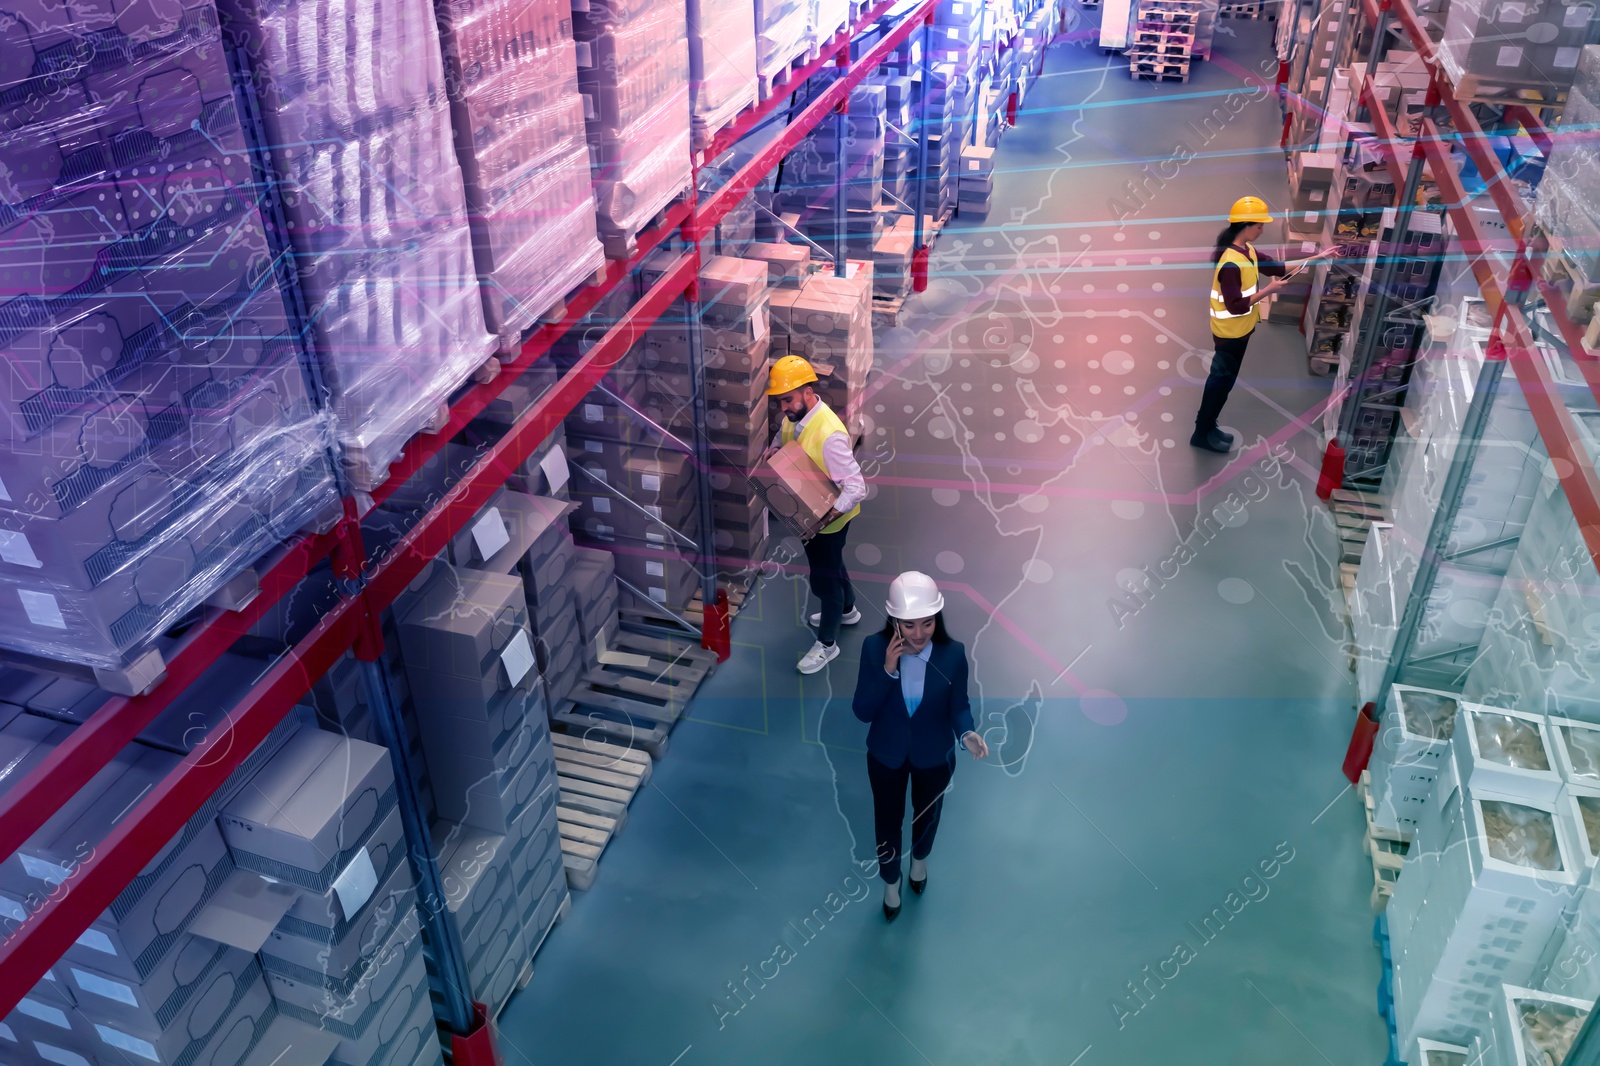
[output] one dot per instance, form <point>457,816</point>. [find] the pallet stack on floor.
<point>1164,39</point>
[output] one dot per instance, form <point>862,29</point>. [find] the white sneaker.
<point>845,620</point>
<point>819,656</point>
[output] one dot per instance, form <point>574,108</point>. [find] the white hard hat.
<point>914,595</point>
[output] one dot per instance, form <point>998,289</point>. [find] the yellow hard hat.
<point>788,374</point>
<point>1249,209</point>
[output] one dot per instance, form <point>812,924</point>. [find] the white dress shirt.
<point>913,675</point>
<point>842,468</point>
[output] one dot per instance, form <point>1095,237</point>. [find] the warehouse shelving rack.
<point>1505,291</point>
<point>367,587</point>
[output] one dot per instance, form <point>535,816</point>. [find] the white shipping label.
<point>659,595</point>
<point>758,323</point>
<point>126,1042</point>
<point>95,940</point>
<point>602,505</point>
<point>44,1012</point>
<point>593,446</point>
<point>49,872</point>
<point>6,1033</point>
<point>356,884</point>
<point>51,1053</point>
<point>489,533</point>
<point>15,549</point>
<point>42,609</point>
<point>554,465</point>
<point>851,267</point>
<point>585,55</point>
<point>1509,56</point>
<point>518,657</point>
<point>101,986</point>
<point>593,412</point>
<point>972,165</point>
<point>4,495</point>
<point>655,512</point>
<point>650,482</point>
<point>654,568</point>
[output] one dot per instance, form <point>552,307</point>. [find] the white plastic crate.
<point>1506,751</point>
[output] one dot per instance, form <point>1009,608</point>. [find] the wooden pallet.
<point>766,85</point>
<point>1163,74</point>
<point>1480,89</point>
<point>1385,848</point>
<point>1353,513</point>
<point>636,703</point>
<point>738,588</point>
<point>598,780</point>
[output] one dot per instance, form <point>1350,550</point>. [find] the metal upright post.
<point>701,442</point>
<point>1378,32</point>
<point>439,925</point>
<point>1361,365</point>
<point>919,255</point>
<point>1444,518</point>
<point>842,128</point>
<point>977,90</point>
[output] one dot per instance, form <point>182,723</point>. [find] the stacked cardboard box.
<point>471,665</point>
<point>900,146</point>
<point>155,432</point>
<point>977,179</point>
<point>512,76</point>
<point>359,139</point>
<point>168,973</point>
<point>828,321</point>
<point>633,68</point>
<point>1490,46</point>
<point>323,818</point>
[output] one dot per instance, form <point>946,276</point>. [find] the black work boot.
<point>1212,441</point>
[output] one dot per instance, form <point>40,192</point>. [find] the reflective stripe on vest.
<point>821,424</point>
<point>1225,323</point>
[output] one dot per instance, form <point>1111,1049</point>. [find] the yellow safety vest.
<point>822,424</point>
<point>1225,323</point>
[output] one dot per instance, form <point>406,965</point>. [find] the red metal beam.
<point>1531,124</point>
<point>716,206</point>
<point>31,948</point>
<point>425,446</point>
<point>28,804</point>
<point>749,119</point>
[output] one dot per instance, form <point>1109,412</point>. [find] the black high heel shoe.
<point>890,913</point>
<point>918,886</point>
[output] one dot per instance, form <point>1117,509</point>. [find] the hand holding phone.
<point>897,648</point>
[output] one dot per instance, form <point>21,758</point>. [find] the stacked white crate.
<point>1530,1028</point>
<point>1411,753</point>
<point>471,665</point>
<point>512,75</point>
<point>977,179</point>
<point>1469,913</point>
<point>359,140</point>
<point>347,958</point>
<point>1491,48</point>
<point>782,36</point>
<point>156,436</point>
<point>633,69</point>
<point>1542,647</point>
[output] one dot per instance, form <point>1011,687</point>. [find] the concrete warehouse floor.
<point>1160,861</point>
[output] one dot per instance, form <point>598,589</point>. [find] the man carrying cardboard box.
<point>826,442</point>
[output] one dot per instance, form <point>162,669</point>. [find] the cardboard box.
<point>797,492</point>
<point>306,807</point>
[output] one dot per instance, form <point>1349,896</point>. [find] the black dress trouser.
<point>1224,372</point>
<point>889,809</point>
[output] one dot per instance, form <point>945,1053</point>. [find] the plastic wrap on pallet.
<point>825,18</point>
<point>512,74</point>
<point>1568,203</point>
<point>782,32</point>
<point>1541,647</point>
<point>157,433</point>
<point>633,68</point>
<point>357,131</point>
<point>722,62</point>
<point>1490,46</point>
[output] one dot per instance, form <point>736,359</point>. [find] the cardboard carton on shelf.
<point>797,491</point>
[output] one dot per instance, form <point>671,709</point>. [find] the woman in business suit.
<point>912,691</point>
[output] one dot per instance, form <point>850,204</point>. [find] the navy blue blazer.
<point>928,737</point>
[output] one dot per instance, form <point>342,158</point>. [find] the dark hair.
<point>1226,238</point>
<point>940,635</point>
